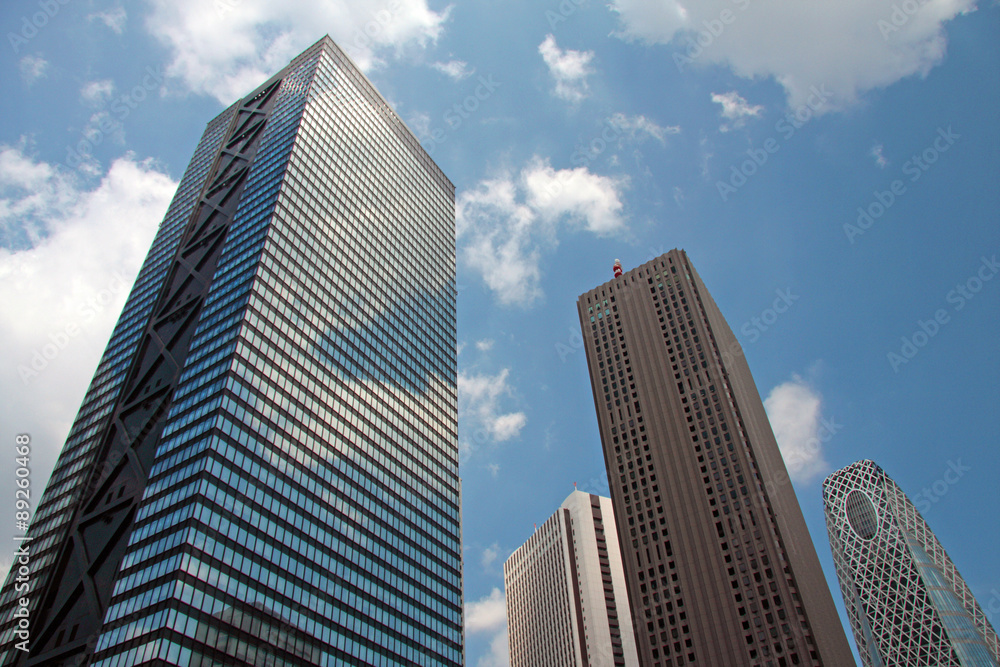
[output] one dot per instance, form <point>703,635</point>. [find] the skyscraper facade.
<point>718,561</point>
<point>565,589</point>
<point>907,603</point>
<point>264,469</point>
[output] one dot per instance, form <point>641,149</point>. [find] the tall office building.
<point>565,589</point>
<point>718,560</point>
<point>264,470</point>
<point>907,603</point>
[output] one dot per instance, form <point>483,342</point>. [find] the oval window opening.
<point>861,514</point>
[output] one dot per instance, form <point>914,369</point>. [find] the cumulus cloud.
<point>454,69</point>
<point>479,398</point>
<point>485,345</point>
<point>33,68</point>
<point>63,283</point>
<point>505,223</point>
<point>490,555</point>
<point>97,93</point>
<point>795,412</point>
<point>488,614</point>
<point>848,47</point>
<point>735,109</point>
<point>227,47</point>
<point>499,655</point>
<point>569,68</point>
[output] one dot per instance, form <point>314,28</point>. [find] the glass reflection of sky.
<point>396,342</point>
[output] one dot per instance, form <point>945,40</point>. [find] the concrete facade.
<point>719,564</point>
<point>565,588</point>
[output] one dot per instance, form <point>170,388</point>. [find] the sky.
<point>830,168</point>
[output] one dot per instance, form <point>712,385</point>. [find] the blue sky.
<point>835,161</point>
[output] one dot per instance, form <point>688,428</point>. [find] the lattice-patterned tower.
<point>264,470</point>
<point>907,603</point>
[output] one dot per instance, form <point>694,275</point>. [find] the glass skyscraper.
<point>264,469</point>
<point>907,603</point>
<point>718,560</point>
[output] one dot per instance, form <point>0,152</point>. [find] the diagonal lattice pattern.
<point>906,601</point>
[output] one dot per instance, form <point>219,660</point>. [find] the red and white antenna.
<point>618,268</point>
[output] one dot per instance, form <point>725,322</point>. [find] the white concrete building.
<point>567,603</point>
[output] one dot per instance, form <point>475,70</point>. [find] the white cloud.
<point>584,198</point>
<point>880,159</point>
<point>227,47</point>
<point>32,68</point>
<point>485,345</point>
<point>795,412</point>
<point>499,655</point>
<point>569,68</point>
<point>487,614</point>
<point>505,223</point>
<point>735,109</point>
<point>455,69</point>
<point>63,291</point>
<point>115,19</point>
<point>490,555</point>
<point>849,47</point>
<point>507,426</point>
<point>639,126</point>
<point>97,93</point>
<point>31,193</point>
<point>479,397</point>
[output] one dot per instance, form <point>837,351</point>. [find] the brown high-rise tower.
<point>719,564</point>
